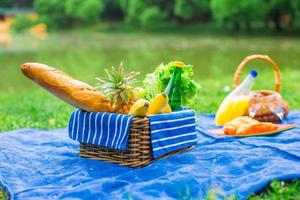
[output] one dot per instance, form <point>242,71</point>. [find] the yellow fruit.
<point>168,109</point>
<point>139,108</point>
<point>158,104</point>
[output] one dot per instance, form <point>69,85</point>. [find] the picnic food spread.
<point>135,126</point>
<point>113,124</point>
<point>265,105</point>
<point>118,93</point>
<point>246,112</point>
<point>262,105</point>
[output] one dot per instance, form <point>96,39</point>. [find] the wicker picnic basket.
<point>263,97</point>
<point>139,152</point>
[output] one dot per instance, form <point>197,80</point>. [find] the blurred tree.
<point>57,13</point>
<point>191,10</point>
<point>87,11</point>
<point>143,13</point>
<point>151,16</point>
<point>167,7</point>
<point>296,6</point>
<point>52,12</point>
<point>6,3</point>
<point>113,10</point>
<point>238,12</point>
<point>15,3</point>
<point>276,9</point>
<point>22,22</point>
<point>133,9</point>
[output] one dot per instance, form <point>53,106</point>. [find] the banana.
<point>168,109</point>
<point>139,108</point>
<point>158,104</point>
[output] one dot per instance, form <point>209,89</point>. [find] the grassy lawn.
<point>3,195</point>
<point>279,190</point>
<point>24,105</point>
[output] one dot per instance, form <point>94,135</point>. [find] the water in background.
<point>84,55</point>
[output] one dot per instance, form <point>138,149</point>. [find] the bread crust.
<point>246,125</point>
<point>70,90</point>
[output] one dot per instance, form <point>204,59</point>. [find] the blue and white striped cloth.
<point>172,131</point>
<point>102,129</point>
<point>169,132</point>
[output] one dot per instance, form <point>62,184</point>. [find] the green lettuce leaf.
<point>157,81</point>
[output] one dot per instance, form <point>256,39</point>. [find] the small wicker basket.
<point>139,151</point>
<point>264,112</point>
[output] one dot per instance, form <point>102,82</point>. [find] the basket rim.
<point>238,72</point>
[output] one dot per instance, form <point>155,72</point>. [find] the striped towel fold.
<point>172,131</point>
<point>169,132</point>
<point>102,129</point>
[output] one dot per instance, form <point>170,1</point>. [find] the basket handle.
<point>238,72</point>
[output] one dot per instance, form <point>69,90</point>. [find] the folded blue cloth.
<point>102,129</point>
<point>172,131</point>
<point>169,132</point>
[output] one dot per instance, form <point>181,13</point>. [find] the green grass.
<point>32,110</point>
<point>3,195</point>
<point>280,190</point>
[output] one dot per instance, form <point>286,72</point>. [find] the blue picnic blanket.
<point>169,132</point>
<point>40,164</point>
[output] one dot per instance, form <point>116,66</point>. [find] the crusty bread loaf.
<point>246,125</point>
<point>74,92</point>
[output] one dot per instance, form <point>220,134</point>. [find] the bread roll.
<point>246,125</point>
<point>74,92</point>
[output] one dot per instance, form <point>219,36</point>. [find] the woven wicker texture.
<point>264,114</point>
<point>139,151</point>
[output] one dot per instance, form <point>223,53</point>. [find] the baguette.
<point>74,92</point>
